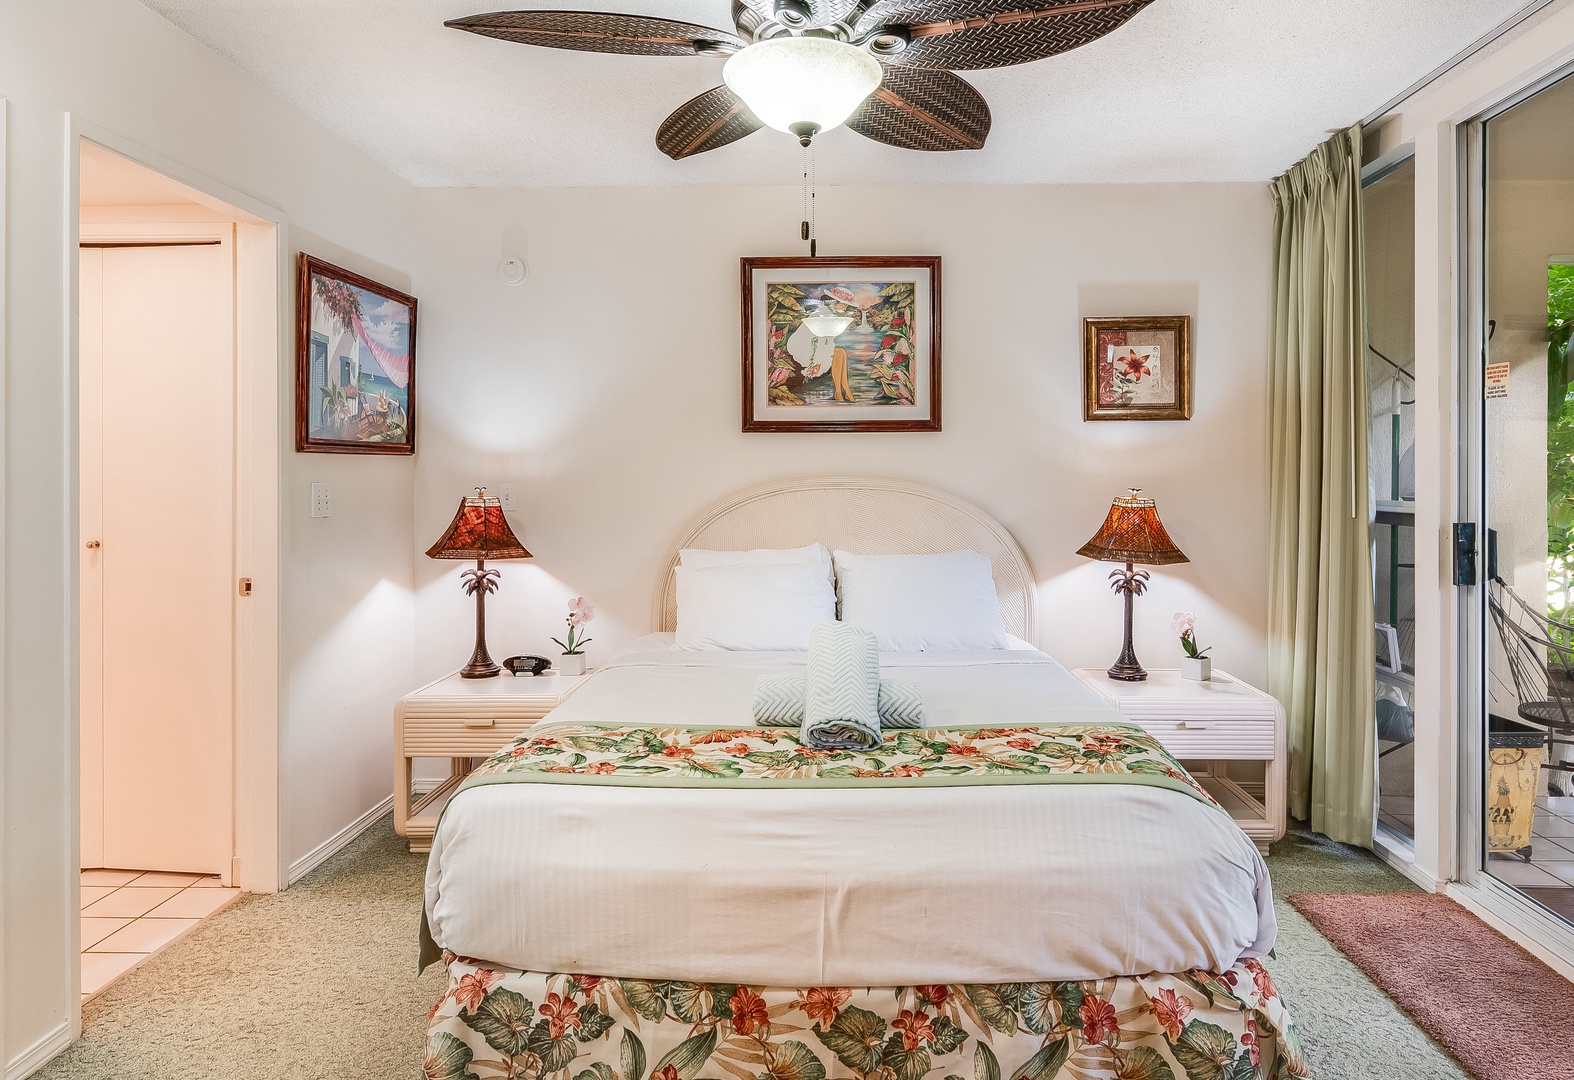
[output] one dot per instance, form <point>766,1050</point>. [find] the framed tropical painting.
<point>841,344</point>
<point>354,363</point>
<point>1137,368</point>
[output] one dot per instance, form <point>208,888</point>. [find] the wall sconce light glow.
<point>802,85</point>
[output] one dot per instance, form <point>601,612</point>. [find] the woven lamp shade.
<point>479,531</point>
<point>1132,533</point>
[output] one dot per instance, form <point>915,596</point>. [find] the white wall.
<point>607,387</point>
<point>346,609</point>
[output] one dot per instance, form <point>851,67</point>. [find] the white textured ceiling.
<point>1187,90</point>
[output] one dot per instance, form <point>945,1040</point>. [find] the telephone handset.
<point>528,665</point>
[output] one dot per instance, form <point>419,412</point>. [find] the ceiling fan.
<point>882,67</point>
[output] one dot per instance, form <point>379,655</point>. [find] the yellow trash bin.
<point>1514,752</point>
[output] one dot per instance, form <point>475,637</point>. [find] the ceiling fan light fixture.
<point>802,85</point>
<point>828,326</point>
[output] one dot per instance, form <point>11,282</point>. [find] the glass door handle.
<point>1464,553</point>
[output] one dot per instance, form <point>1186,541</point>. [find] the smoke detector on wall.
<point>511,271</point>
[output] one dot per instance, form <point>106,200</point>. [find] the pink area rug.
<point>1504,1014</point>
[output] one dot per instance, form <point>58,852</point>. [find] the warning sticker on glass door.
<point>1496,381</point>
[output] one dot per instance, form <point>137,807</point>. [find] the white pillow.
<point>699,558</point>
<point>919,603</point>
<point>756,608</point>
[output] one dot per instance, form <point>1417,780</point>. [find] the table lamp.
<point>479,531</point>
<point>1132,533</point>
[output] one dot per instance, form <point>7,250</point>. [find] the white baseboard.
<point>1402,858</point>
<point>39,1054</point>
<point>425,785</point>
<point>335,843</point>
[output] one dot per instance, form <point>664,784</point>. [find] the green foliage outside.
<point>1560,444</point>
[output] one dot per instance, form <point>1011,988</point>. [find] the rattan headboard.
<point>866,517</point>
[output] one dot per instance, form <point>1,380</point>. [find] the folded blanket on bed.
<point>841,704</point>
<point>778,701</point>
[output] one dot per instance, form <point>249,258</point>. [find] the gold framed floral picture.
<point>1137,368</point>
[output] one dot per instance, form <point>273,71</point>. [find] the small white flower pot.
<point>1196,668</point>
<point>574,664</point>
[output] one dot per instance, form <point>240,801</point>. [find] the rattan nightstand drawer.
<point>454,738</point>
<point>1215,740</point>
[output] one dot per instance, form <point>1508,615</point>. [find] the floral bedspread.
<point>706,756</point>
<point>1196,1025</point>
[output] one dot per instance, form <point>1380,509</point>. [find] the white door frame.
<point>262,313</point>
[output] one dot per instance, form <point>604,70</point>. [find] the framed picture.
<point>1137,368</point>
<point>841,344</point>
<point>354,364</point>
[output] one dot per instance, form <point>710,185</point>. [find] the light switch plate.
<point>322,500</point>
<point>505,492</point>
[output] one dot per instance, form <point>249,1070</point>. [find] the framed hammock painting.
<point>841,344</point>
<point>354,363</point>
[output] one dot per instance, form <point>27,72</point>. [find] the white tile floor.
<point>1551,862</point>
<point>128,915</point>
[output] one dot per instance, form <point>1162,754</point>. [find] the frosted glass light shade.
<point>793,82</point>
<point>827,325</point>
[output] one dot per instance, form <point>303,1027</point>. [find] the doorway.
<point>1519,779</point>
<point>176,330</point>
<point>1388,211</point>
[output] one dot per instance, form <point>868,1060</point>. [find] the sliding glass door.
<point>1519,780</point>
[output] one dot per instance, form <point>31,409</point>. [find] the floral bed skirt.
<point>493,1022</point>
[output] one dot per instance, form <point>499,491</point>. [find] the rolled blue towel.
<point>841,704</point>
<point>778,701</point>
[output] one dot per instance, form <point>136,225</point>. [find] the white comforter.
<point>794,887</point>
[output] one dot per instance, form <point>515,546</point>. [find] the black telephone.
<point>528,665</point>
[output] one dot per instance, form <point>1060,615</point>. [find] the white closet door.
<point>90,381</point>
<point>168,394</point>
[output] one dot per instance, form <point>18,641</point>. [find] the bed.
<point>648,887</point>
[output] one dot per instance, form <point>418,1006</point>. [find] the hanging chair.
<point>1540,653</point>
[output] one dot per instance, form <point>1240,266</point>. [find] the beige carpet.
<point>319,982</point>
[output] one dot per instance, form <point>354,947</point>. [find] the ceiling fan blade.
<point>965,35</point>
<point>603,32</point>
<point>918,109</point>
<point>715,118</point>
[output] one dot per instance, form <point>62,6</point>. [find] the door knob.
<point>93,545</point>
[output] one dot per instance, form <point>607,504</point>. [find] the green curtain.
<point>1320,635</point>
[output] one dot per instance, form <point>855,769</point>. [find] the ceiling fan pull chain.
<point>803,230</point>
<point>814,195</point>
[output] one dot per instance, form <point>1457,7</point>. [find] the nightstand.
<point>461,719</point>
<point>1207,725</point>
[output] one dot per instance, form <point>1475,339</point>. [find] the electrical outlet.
<point>322,500</point>
<point>505,492</point>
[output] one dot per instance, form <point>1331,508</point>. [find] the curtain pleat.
<point>1320,658</point>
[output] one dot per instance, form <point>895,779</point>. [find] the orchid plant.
<point>1185,624</point>
<point>580,612</point>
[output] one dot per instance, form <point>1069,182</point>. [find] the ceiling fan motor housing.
<point>887,41</point>
<point>793,14</point>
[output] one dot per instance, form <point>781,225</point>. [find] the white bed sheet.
<point>795,887</point>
